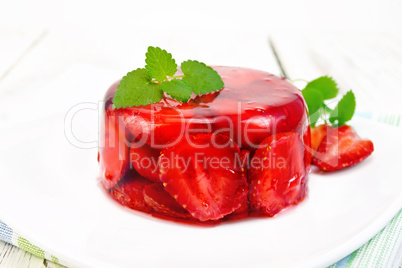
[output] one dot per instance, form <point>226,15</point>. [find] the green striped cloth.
<point>383,250</point>
<point>8,235</point>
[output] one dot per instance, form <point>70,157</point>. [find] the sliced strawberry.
<point>240,213</point>
<point>244,160</point>
<point>253,125</point>
<point>201,174</point>
<point>113,155</point>
<point>129,193</point>
<point>317,135</point>
<point>341,148</point>
<point>159,125</point>
<point>162,202</point>
<point>252,106</point>
<point>144,159</point>
<point>277,174</point>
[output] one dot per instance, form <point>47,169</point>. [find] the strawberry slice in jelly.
<point>163,203</point>
<point>113,155</point>
<point>240,213</point>
<point>144,159</point>
<point>129,193</point>
<point>277,174</point>
<point>202,175</point>
<point>159,125</point>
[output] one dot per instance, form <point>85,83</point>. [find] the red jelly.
<point>226,155</point>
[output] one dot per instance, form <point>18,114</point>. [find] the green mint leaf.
<point>344,111</point>
<point>160,63</point>
<point>177,89</point>
<point>202,78</point>
<point>315,102</point>
<point>148,85</point>
<point>326,85</point>
<point>136,89</point>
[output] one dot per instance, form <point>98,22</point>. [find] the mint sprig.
<point>344,111</point>
<point>200,77</point>
<point>325,85</point>
<point>178,89</point>
<point>147,85</point>
<point>137,87</point>
<point>322,89</point>
<point>160,63</point>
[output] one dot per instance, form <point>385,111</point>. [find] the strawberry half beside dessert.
<point>187,140</point>
<point>334,145</point>
<point>339,148</point>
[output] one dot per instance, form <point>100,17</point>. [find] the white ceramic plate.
<point>50,195</point>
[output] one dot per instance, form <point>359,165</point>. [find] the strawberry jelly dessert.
<point>234,153</point>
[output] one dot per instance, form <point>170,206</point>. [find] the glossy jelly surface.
<point>238,152</point>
